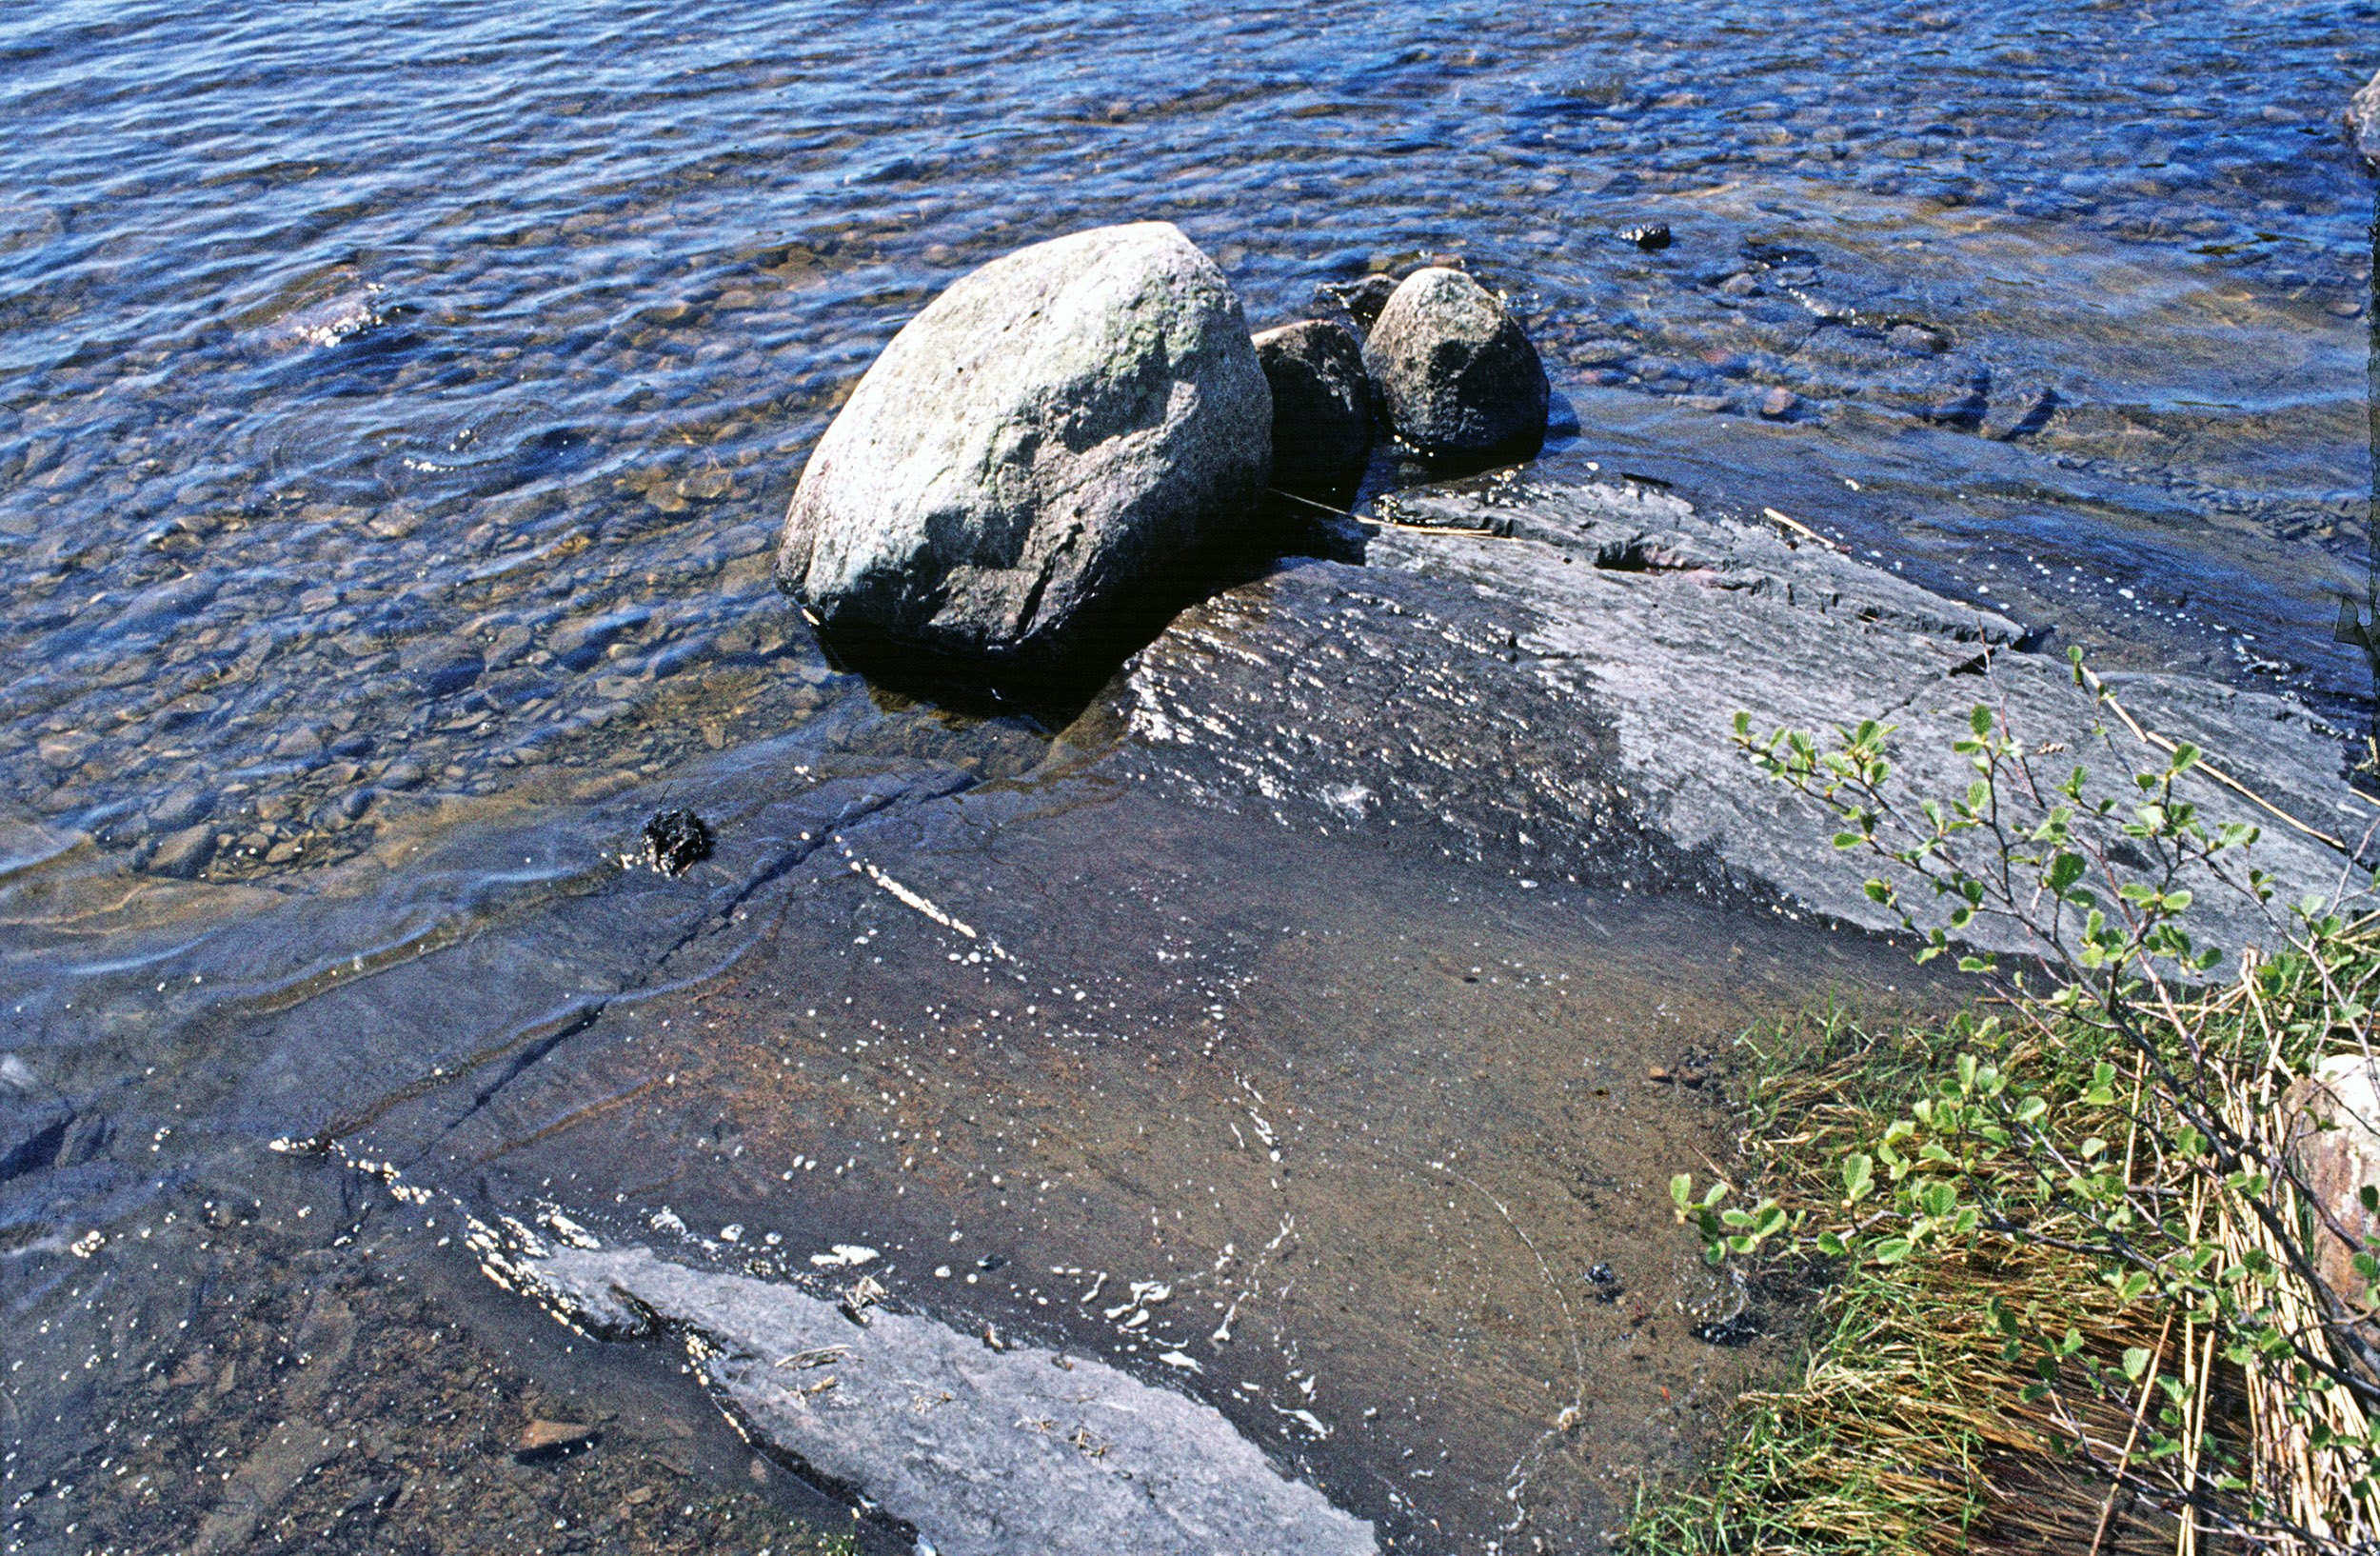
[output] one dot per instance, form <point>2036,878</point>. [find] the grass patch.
<point>2077,1289</point>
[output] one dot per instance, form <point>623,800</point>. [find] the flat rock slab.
<point>980,1450</point>
<point>1548,677</point>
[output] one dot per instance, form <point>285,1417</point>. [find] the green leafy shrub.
<point>2076,1291</point>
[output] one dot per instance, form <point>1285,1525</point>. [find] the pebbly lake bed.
<point>395,413</point>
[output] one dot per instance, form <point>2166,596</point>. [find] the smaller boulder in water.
<point>1455,371</point>
<point>1321,400</point>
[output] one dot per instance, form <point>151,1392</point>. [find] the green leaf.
<point>2136,1363</point>
<point>1681,1189</point>
<point>1980,720</point>
<point>1858,1177</point>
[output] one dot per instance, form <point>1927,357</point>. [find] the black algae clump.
<point>1648,238</point>
<point>674,839</point>
<point>1741,1330</point>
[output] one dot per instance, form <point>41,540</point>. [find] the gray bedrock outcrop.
<point>1044,445</point>
<point>1548,677</point>
<point>980,1449</point>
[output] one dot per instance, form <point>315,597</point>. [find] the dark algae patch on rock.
<point>674,839</point>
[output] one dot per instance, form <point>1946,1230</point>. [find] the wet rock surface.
<point>1456,373</point>
<point>329,1377</point>
<point>1601,641</point>
<point>1299,1034</point>
<point>1037,453</point>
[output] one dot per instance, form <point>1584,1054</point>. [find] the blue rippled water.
<point>347,331</point>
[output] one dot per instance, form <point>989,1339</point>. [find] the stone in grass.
<point>1027,473</point>
<point>1321,400</point>
<point>1453,371</point>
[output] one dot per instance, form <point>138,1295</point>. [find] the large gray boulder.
<point>1035,458</point>
<point>1455,371</point>
<point>1322,399</point>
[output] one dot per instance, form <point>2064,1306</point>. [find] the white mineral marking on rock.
<point>920,903</point>
<point>1016,1453</point>
<point>845,1256</point>
<point>1306,1419</point>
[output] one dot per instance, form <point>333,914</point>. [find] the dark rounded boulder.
<point>1321,400</point>
<point>1455,372</point>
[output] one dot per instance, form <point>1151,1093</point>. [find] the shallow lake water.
<point>396,407</point>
